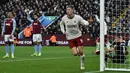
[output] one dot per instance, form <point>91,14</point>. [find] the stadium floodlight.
<point>118,13</point>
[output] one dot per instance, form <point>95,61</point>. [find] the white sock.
<point>82,59</point>
<point>97,49</point>
<point>108,45</point>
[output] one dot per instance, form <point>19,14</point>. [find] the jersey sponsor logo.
<point>73,32</point>
<point>8,24</point>
<point>72,26</point>
<point>35,23</point>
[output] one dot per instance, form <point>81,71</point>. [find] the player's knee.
<point>6,42</point>
<point>38,43</point>
<point>75,54</point>
<point>35,43</point>
<point>11,42</point>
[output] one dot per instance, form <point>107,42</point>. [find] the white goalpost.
<point>118,12</point>
<point>102,65</point>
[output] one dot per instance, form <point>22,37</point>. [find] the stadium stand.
<point>86,8</point>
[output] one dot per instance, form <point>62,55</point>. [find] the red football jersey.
<point>36,27</point>
<point>8,26</point>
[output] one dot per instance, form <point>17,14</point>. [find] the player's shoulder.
<point>77,16</point>
<point>5,19</point>
<point>64,17</point>
<point>13,19</point>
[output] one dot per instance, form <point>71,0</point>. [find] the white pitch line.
<point>17,60</point>
<point>93,72</point>
<point>26,59</point>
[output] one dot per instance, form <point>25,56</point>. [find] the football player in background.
<point>8,33</point>
<point>36,30</point>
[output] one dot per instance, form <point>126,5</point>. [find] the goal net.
<point>116,44</point>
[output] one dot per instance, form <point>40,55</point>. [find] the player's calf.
<point>40,48</point>
<point>82,57</point>
<point>6,50</point>
<point>35,49</point>
<point>12,49</point>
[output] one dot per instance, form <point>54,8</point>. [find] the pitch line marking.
<point>17,60</point>
<point>27,59</point>
<point>93,72</point>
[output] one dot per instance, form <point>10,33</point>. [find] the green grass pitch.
<point>53,60</point>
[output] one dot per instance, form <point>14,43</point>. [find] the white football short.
<point>7,38</point>
<point>37,38</point>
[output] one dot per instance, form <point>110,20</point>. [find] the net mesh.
<point>117,18</point>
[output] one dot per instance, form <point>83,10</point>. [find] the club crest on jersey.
<point>66,21</point>
<point>74,21</point>
<point>7,24</point>
<point>35,23</point>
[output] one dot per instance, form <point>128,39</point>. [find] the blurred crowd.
<point>86,8</point>
<point>117,16</point>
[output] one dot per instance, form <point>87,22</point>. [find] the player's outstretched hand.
<point>30,11</point>
<point>26,11</point>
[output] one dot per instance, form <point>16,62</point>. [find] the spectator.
<point>28,32</point>
<point>86,8</point>
<point>52,40</point>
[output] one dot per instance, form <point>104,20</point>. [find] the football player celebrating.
<point>70,27</point>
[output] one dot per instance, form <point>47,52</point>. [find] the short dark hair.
<point>70,6</point>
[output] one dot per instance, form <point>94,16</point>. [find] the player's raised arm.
<point>83,22</point>
<point>14,26</point>
<point>62,26</point>
<point>29,18</point>
<point>42,18</point>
